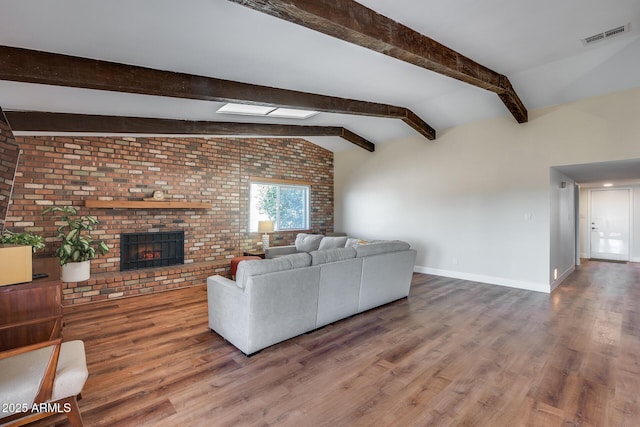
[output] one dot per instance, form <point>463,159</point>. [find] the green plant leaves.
<point>76,245</point>
<point>73,234</point>
<point>103,248</point>
<point>34,240</point>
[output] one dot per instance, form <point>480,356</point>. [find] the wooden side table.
<point>254,253</point>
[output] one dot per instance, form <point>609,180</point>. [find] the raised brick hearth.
<point>68,170</point>
<point>103,286</point>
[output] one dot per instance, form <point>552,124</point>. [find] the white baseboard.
<point>492,280</point>
<point>562,277</point>
<point>631,259</point>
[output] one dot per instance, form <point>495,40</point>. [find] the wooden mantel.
<point>144,204</point>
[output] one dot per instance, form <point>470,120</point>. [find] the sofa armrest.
<point>228,308</point>
<point>224,281</point>
<point>278,251</point>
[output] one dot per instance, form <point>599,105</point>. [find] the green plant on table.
<point>29,239</point>
<point>77,245</point>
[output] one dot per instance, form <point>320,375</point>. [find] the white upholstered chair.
<point>42,379</point>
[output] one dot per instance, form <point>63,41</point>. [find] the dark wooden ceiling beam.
<point>350,21</point>
<point>30,66</point>
<point>37,121</point>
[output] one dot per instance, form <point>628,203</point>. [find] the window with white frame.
<point>286,204</point>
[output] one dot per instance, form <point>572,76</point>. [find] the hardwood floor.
<point>453,353</point>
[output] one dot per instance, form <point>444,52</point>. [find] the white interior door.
<point>610,224</point>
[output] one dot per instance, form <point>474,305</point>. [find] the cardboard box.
<point>15,264</point>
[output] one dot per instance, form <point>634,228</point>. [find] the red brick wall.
<point>68,170</point>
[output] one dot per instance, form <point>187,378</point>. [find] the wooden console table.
<point>29,311</point>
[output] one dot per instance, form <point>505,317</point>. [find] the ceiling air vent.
<point>606,34</point>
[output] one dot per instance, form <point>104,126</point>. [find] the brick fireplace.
<point>151,249</point>
<point>64,170</point>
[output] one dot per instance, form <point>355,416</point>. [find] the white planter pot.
<point>76,271</point>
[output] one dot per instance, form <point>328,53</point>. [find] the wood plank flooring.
<point>453,353</point>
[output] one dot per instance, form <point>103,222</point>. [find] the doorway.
<point>609,224</point>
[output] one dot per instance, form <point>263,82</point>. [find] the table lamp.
<point>265,227</point>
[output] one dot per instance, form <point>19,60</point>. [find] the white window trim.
<point>283,183</point>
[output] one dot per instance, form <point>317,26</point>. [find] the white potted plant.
<point>78,248</point>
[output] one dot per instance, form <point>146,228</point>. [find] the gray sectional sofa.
<point>273,300</point>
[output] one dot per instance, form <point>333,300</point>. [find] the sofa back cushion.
<point>351,242</point>
<point>381,247</point>
<point>331,242</point>
<point>355,241</point>
<point>332,255</point>
<point>249,268</point>
<point>308,242</point>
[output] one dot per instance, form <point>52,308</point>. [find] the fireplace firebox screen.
<point>155,249</point>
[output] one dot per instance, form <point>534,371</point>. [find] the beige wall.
<point>476,203</point>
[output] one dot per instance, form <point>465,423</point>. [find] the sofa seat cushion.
<point>20,375</point>
<point>332,255</point>
<point>331,242</point>
<point>249,268</point>
<point>308,242</point>
<point>381,248</point>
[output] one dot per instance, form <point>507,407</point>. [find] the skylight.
<point>292,113</point>
<point>245,109</point>
<point>265,111</point>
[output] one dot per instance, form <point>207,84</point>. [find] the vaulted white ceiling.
<point>537,45</point>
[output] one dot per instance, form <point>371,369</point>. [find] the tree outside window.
<point>287,205</point>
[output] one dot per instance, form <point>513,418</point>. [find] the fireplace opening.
<point>155,249</point>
